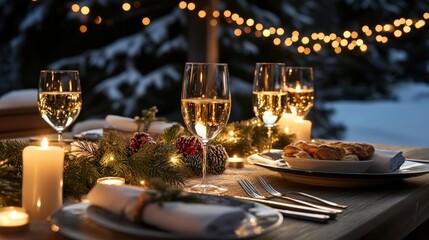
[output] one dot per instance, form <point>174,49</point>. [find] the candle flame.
<point>298,87</point>
<point>44,143</point>
<point>235,156</point>
<point>299,119</point>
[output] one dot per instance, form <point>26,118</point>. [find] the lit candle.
<point>293,124</point>
<point>111,180</point>
<point>302,129</point>
<point>13,219</point>
<point>235,162</point>
<point>42,188</point>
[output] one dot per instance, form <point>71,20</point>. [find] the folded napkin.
<point>386,161</point>
<point>129,125</point>
<point>187,218</point>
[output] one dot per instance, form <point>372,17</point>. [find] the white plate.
<point>328,165</point>
<point>335,179</point>
<point>83,221</point>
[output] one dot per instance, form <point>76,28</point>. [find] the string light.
<point>397,28</point>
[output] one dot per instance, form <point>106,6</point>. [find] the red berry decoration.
<point>189,145</point>
<point>137,141</point>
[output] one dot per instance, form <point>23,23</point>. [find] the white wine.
<point>59,109</point>
<point>300,101</point>
<point>205,117</point>
<point>269,106</point>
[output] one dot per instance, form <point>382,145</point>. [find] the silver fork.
<point>295,211</point>
<point>251,190</point>
<point>276,193</point>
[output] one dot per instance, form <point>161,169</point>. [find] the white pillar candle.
<point>42,188</point>
<point>302,129</point>
<point>290,123</point>
<point>111,180</point>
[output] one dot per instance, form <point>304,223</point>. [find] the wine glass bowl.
<point>205,106</point>
<point>59,98</point>
<point>300,88</point>
<point>269,94</point>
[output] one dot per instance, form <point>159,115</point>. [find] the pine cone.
<point>189,145</point>
<point>194,163</point>
<point>216,160</point>
<point>217,157</point>
<point>137,141</point>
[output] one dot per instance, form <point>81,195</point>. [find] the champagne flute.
<point>206,105</point>
<point>300,88</point>
<point>59,98</point>
<point>269,94</point>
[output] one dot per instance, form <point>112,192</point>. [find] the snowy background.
<point>401,122</point>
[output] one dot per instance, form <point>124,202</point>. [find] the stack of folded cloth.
<point>196,219</point>
<point>129,125</point>
<point>386,161</point>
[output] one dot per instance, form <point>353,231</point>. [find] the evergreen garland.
<point>87,160</point>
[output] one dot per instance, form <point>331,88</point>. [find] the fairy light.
<point>75,7</point>
<point>126,7</point>
<point>83,29</point>
<point>85,10</point>
<point>98,20</point>
<point>349,38</point>
<point>146,21</point>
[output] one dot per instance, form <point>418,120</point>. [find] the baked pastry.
<point>329,152</point>
<point>290,150</point>
<point>350,157</point>
<point>303,154</point>
<point>308,147</point>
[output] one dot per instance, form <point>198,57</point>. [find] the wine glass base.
<point>206,188</point>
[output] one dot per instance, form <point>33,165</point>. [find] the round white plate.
<point>84,221</point>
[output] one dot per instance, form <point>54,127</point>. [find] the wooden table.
<point>382,212</point>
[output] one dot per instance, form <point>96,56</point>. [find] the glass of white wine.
<point>206,105</point>
<point>300,88</point>
<point>269,94</point>
<point>59,98</point>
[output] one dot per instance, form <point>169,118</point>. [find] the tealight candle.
<point>111,180</point>
<point>235,162</point>
<point>13,219</point>
<point>293,124</point>
<point>42,188</point>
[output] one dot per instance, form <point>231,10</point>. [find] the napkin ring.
<point>142,201</point>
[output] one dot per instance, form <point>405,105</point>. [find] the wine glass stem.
<point>269,139</point>
<point>204,181</point>
<point>60,138</point>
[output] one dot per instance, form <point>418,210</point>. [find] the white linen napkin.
<point>129,125</point>
<point>188,218</point>
<point>386,161</point>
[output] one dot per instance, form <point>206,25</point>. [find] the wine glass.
<point>300,90</point>
<point>206,105</point>
<point>59,98</point>
<point>269,94</point>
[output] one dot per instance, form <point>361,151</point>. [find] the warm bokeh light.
<point>216,13</point>
<point>344,42</point>
<point>378,38</point>
<point>368,33</point>
<point>359,42</point>
<point>259,26</point>
<point>320,36</point>
<point>307,50</point>
<point>126,7</point>
<point>288,42</point>
<point>387,28</point>
<point>406,29</point>
<point>183,5</point>
<point>335,44</point>
<point>409,22</point>
<point>277,41</point>
<point>266,33</point>
<point>237,32</point>
<point>397,33</point>
<point>354,34</point>
<point>240,21</point>
<point>295,38</point>
<point>85,10</point>
<point>202,14</point>
<point>75,7</point>
<point>337,50</point>
<point>426,15</point>
<point>333,36</point>
<point>191,6</point>
<point>98,20</point>
<point>314,36</point>
<point>363,48</point>
<point>247,29</point>
<point>347,34</point>
<point>213,22</point>
<point>235,16</point>
<point>326,39</point>
<point>250,22</point>
<point>305,40</point>
<point>365,28</point>
<point>317,47</point>
<point>280,31</point>
<point>300,49</point>
<point>83,29</point>
<point>146,21</point>
<point>378,28</point>
<point>258,34</point>
<point>227,13</point>
<point>420,23</point>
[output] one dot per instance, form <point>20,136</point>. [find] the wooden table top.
<point>383,212</point>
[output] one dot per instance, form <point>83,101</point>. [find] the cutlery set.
<point>300,209</point>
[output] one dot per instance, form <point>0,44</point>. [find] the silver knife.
<point>293,207</point>
<point>305,215</point>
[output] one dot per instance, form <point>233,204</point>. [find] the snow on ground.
<point>404,122</point>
